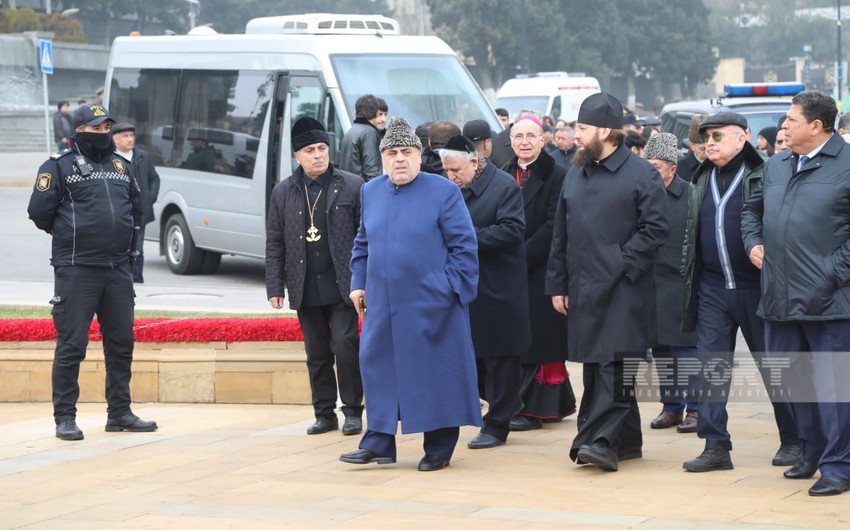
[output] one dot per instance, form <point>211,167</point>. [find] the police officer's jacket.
<point>90,217</point>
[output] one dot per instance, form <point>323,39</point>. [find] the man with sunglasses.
<point>722,287</point>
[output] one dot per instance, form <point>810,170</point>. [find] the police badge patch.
<point>42,183</point>
<point>119,165</point>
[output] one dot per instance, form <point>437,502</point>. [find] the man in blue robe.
<point>415,267</point>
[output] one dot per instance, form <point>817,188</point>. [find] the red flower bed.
<point>168,330</point>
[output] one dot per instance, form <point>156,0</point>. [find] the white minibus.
<point>215,113</point>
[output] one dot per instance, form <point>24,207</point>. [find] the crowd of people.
<point>478,263</point>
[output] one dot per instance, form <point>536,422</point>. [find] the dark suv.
<point>762,105</point>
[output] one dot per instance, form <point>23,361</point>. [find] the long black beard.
<point>588,154</point>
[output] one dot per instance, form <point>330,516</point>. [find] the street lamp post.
<point>194,7</point>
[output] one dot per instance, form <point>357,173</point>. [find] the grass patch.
<point>44,312</point>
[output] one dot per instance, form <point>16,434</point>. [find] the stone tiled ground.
<point>252,467</point>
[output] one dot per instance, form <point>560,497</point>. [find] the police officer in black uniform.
<point>87,199</point>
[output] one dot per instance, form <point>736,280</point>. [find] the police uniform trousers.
<point>720,313</point>
<point>80,292</point>
<point>440,442</point>
<point>499,380</point>
<point>330,331</point>
<point>819,367</point>
<point>608,413</point>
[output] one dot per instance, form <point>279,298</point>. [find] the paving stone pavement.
<point>253,467</point>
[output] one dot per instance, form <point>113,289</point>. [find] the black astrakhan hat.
<point>308,131</point>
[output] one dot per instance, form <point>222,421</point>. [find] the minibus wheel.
<point>182,255</point>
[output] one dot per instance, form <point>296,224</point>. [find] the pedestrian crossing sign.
<point>45,56</point>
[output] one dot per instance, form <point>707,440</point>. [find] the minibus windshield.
<point>422,88</point>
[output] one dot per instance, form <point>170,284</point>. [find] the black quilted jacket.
<point>286,248</point>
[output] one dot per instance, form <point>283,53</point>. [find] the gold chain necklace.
<point>313,234</point>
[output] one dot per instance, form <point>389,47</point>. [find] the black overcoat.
<point>148,179</point>
<point>611,220</point>
<point>499,315</point>
<point>668,270</point>
<point>540,198</point>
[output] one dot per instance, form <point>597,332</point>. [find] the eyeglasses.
<point>717,136</point>
<point>529,137</point>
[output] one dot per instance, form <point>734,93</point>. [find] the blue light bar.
<point>742,90</point>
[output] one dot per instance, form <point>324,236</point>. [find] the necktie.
<point>803,160</point>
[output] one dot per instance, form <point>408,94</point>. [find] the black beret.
<point>308,131</point>
<point>459,143</point>
<point>723,118</point>
<point>601,110</point>
<point>477,130</point>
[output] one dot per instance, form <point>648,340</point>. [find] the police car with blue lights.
<point>763,104</point>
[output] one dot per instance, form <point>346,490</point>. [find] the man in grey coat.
<point>611,219</point>
<point>796,229</point>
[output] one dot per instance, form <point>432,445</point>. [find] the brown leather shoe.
<point>665,420</point>
<point>689,424</point>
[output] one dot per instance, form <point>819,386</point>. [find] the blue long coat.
<point>416,256</point>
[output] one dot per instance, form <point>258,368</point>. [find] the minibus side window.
<point>146,98</point>
<point>220,120</point>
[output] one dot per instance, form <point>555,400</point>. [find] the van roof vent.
<point>324,23</point>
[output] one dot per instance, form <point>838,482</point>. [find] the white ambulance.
<point>556,94</point>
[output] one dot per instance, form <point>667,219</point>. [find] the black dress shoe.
<point>801,469</point>
<point>433,463</point>
<point>323,425</point>
<point>826,486</point>
<point>68,430</point>
<point>352,425</point>
<point>788,455</point>
<point>714,459</point>
<point>131,423</point>
<point>484,441</point>
<point>525,423</point>
<point>365,456</point>
<point>598,455</point>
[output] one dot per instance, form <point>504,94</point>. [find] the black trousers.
<point>499,380</point>
<point>440,442</point>
<point>79,293</point>
<point>605,415</point>
<point>331,331</point>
